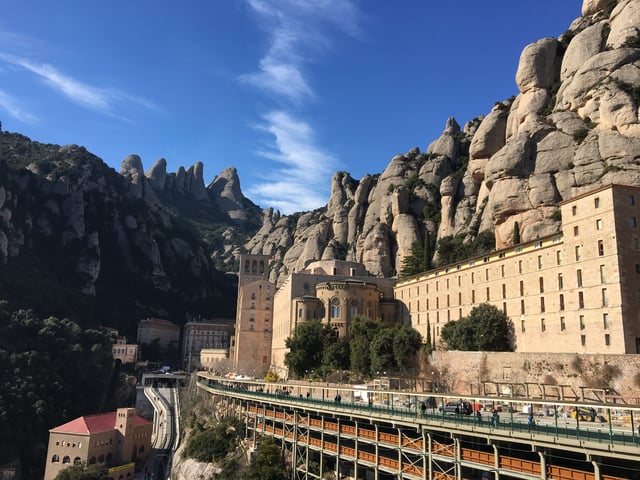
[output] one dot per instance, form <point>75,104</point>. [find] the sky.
<point>286,91</point>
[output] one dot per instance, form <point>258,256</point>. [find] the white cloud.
<point>297,29</point>
<point>12,107</point>
<point>299,182</point>
<point>104,100</point>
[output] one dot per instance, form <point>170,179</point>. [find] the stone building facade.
<point>210,335</point>
<point>577,291</point>
<point>254,312</point>
<point>127,353</point>
<point>116,440</point>
<point>333,291</point>
<point>166,333</point>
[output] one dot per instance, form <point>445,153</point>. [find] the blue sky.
<point>286,91</point>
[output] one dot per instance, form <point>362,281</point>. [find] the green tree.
<point>82,472</point>
<point>48,372</point>
<point>418,260</point>
<point>428,346</point>
<point>267,465</point>
<point>307,346</point>
<point>336,355</point>
<point>406,343</point>
<point>214,444</point>
<point>381,349</point>
<point>485,329</point>
<point>361,332</point>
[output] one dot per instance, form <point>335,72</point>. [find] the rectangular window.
<point>502,270</point>
<point>437,302</point>
<point>583,340</point>
<point>519,266</point>
<point>488,296</point>
<point>542,325</point>
<point>539,262</point>
<point>580,300</point>
<point>574,210</point>
<point>605,298</point>
<point>472,277</point>
<point>504,308</point>
<point>579,277</point>
<point>607,339</point>
<point>632,222</point>
<point>459,298</point>
<point>600,248</point>
<point>521,288</point>
<point>632,200</point>
<point>447,284</point>
<point>522,307</point>
<point>581,320</point>
<point>448,301</point>
<point>596,202</point>
<point>486,274</point>
<point>437,286</point>
<point>578,255</point>
<point>575,231</point>
<point>504,290</point>
<point>603,275</point>
<point>541,284</point>
<point>473,297</point>
<point>562,325</point>
<point>561,301</point>
<point>522,326</point>
<point>558,257</point>
<point>541,304</point>
<point>560,282</point>
<point>605,321</point>
<point>459,281</point>
<point>599,224</point>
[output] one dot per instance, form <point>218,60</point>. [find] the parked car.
<point>463,408</point>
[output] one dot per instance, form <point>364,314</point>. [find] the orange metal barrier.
<point>478,457</point>
<point>525,466</point>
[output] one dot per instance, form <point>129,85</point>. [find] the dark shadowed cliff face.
<point>77,239</point>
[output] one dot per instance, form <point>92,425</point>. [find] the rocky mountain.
<point>79,239</point>
<point>97,235</point>
<point>573,126</point>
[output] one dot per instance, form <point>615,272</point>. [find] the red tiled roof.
<point>89,424</point>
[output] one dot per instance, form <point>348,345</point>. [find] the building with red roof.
<point>116,440</point>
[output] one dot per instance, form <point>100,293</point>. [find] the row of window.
<point>563,326</point>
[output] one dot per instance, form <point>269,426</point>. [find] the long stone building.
<point>577,291</point>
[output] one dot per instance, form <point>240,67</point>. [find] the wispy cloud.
<point>298,34</point>
<point>295,186</point>
<point>105,100</point>
<point>12,107</point>
<point>297,29</point>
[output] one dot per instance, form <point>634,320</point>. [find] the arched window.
<point>335,308</point>
<point>55,459</point>
<point>101,459</point>
<point>66,459</point>
<point>77,461</point>
<point>92,460</point>
<point>254,267</point>
<point>246,266</point>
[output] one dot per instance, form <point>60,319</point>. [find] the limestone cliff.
<point>572,127</point>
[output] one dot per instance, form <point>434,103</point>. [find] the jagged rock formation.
<point>70,221</point>
<point>572,127</point>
